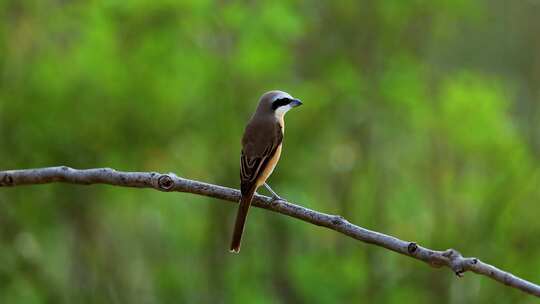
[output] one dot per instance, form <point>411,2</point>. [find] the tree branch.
<point>170,182</point>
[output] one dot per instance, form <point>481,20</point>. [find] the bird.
<point>261,150</point>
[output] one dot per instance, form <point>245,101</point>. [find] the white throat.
<point>280,112</point>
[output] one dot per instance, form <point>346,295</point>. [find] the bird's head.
<point>277,103</point>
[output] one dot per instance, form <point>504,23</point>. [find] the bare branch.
<point>170,182</point>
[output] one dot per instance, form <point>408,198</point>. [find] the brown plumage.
<point>261,149</point>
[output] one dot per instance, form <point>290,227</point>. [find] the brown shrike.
<point>261,149</point>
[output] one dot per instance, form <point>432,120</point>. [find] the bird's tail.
<point>245,202</point>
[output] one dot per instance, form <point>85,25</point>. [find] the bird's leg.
<point>275,197</point>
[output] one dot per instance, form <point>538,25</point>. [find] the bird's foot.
<point>276,198</point>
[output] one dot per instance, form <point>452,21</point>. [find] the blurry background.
<point>421,119</point>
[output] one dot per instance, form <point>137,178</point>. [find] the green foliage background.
<point>420,120</point>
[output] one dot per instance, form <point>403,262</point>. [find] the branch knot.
<point>456,261</point>
<point>7,180</point>
<point>165,182</point>
<point>412,247</point>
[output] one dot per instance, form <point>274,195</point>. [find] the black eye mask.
<point>280,102</point>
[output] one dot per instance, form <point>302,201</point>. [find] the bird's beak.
<point>295,103</point>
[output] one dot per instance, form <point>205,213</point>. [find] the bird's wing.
<point>257,150</point>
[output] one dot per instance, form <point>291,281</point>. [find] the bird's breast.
<point>270,167</point>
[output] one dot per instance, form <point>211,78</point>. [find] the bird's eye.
<point>280,102</point>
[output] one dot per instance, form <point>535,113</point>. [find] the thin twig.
<point>170,182</point>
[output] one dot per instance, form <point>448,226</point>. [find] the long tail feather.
<point>241,215</point>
